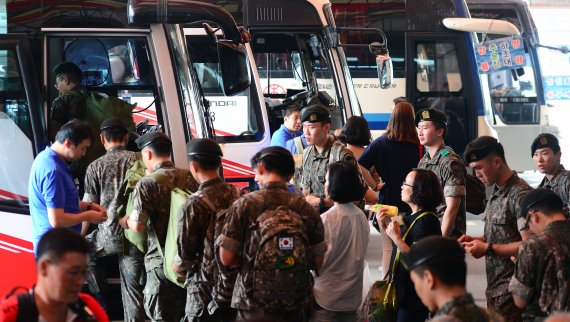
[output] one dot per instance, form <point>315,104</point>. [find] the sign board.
<point>557,87</point>
<point>500,54</point>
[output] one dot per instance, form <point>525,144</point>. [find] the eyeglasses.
<point>405,184</point>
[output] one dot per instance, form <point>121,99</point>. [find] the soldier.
<point>439,158</point>
<point>163,300</point>
<point>70,104</point>
<point>240,243</point>
<point>546,154</point>
<point>102,185</point>
<point>438,269</point>
<point>503,232</point>
<point>197,233</point>
<point>321,151</point>
<point>540,284</point>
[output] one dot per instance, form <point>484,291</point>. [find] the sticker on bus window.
<point>500,54</point>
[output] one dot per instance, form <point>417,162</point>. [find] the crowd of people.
<point>294,250</point>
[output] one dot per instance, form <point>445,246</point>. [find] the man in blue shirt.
<point>290,128</point>
<point>53,197</point>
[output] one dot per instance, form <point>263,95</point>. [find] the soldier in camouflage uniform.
<point>439,158</point>
<point>197,232</point>
<point>438,269</point>
<point>546,154</point>
<point>70,104</point>
<point>504,228</point>
<point>163,300</point>
<point>238,245</point>
<point>541,282</point>
<point>321,151</point>
<point>102,184</point>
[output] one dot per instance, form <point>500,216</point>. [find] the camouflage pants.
<point>163,300</point>
<point>132,275</point>
<point>504,305</point>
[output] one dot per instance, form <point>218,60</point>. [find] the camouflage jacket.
<point>502,226</point>
<point>462,309</point>
<point>560,184</point>
<point>315,163</point>
<point>103,180</point>
<point>542,271</point>
<point>67,107</point>
<point>236,236</point>
<point>151,206</point>
<point>450,170</point>
<point>196,237</point>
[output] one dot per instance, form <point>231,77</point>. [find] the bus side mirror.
<point>383,64</point>
<point>233,67</point>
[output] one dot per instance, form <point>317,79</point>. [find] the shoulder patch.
<point>444,152</point>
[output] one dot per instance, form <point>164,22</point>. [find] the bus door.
<point>22,136</point>
<point>437,77</point>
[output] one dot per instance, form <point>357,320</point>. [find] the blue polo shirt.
<point>51,185</point>
<point>282,135</point>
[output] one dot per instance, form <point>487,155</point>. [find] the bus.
<point>434,66</point>
<point>142,57</point>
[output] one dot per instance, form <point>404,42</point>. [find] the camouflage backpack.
<point>281,268</point>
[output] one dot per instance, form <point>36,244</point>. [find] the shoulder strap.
<point>306,154</point>
<point>299,144</point>
<point>334,154</point>
<point>27,310</point>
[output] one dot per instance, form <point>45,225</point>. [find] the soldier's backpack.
<point>281,268</point>
<point>474,195</point>
<point>132,176</point>
<point>178,197</point>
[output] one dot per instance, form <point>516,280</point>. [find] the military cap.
<point>432,248</point>
<point>207,147</point>
<point>430,114</point>
<point>545,140</point>
<point>67,68</point>
<point>482,147</point>
<point>537,195</point>
<point>113,123</point>
<point>315,113</point>
<point>152,137</point>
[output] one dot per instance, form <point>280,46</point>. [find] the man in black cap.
<point>439,158</point>
<point>103,181</point>
<point>163,300</point>
<point>208,293</point>
<point>545,151</point>
<point>71,101</point>
<point>438,269</point>
<point>321,151</point>
<point>541,281</point>
<point>503,230</point>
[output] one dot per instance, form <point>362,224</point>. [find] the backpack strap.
<point>334,154</point>
<point>27,310</point>
<point>299,144</point>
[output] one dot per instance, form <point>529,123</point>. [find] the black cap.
<point>430,114</point>
<point>152,137</point>
<point>545,140</point>
<point>113,123</point>
<point>537,195</point>
<point>67,68</point>
<point>315,113</point>
<point>432,248</point>
<point>482,147</point>
<point>207,147</point>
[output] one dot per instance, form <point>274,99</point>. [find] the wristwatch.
<point>489,250</point>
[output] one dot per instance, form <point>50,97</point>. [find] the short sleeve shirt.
<point>51,185</point>
<point>282,135</point>
<point>502,226</point>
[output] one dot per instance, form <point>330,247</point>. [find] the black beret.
<point>207,147</point>
<point>315,113</point>
<point>67,68</point>
<point>430,114</point>
<point>545,140</point>
<point>152,137</point>
<point>481,147</point>
<point>540,194</point>
<point>432,248</point>
<point>113,123</point>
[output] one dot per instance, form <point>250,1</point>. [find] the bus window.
<point>236,118</point>
<point>16,136</point>
<point>112,66</point>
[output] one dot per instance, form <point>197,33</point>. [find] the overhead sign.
<point>500,54</point>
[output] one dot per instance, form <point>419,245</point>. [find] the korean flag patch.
<point>286,243</point>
